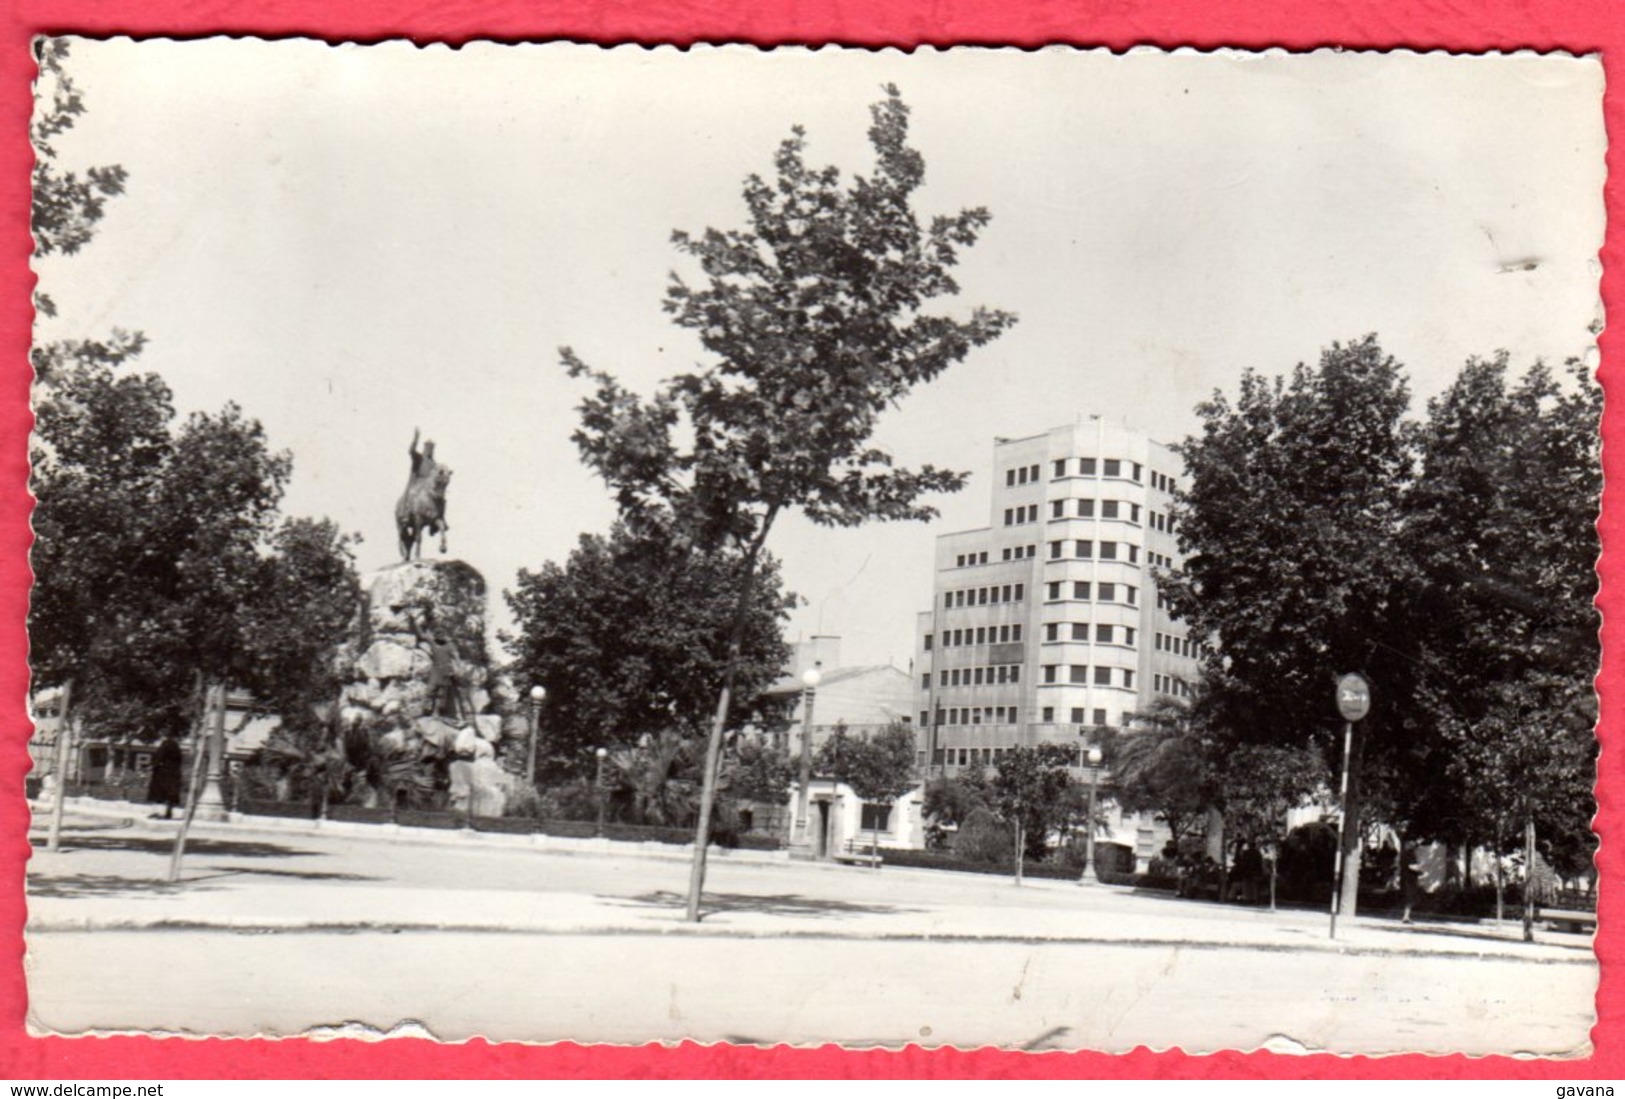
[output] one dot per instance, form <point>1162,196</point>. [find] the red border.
<point>1580,26</point>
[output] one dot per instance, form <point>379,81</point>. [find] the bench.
<point>855,854</point>
<point>1567,919</point>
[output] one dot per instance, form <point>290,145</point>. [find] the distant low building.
<point>863,700</point>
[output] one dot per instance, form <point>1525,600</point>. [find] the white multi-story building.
<point>1049,621</point>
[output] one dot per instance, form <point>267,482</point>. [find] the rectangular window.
<point>953,677</point>
<point>1113,467</point>
<point>1052,631</point>
<point>982,560</point>
<point>1103,677</point>
<point>976,715</point>
<point>1138,471</point>
<point>1009,516</point>
<point>1079,673</point>
<point>1108,551</point>
<point>1002,671</point>
<point>1080,631</point>
<point>1015,632</point>
<point>927,642</point>
<point>923,715</point>
<point>1086,509</point>
<point>1007,553</point>
<point>1086,466</point>
<point>1128,635</point>
<point>1055,550</point>
<point>925,682</point>
<point>1004,633</point>
<point>1134,512</point>
<point>1048,713</point>
<point>1128,678</point>
<point>976,677</point>
<point>1004,594</point>
<point>1057,509</point>
<point>1049,673</point>
<point>1015,673</point>
<point>1131,594</point>
<point>1021,592</point>
<point>1032,513</point>
<point>1009,477</point>
<point>959,562</point>
<point>1106,593</point>
<point>1080,589</point>
<point>947,599</point>
<point>1033,472</point>
<point>1133,553</point>
<point>1054,590</point>
<point>1108,509</point>
<point>1060,468</point>
<point>1103,633</point>
<point>1084,549</point>
<point>942,679</point>
<point>981,596</point>
<point>1100,717</point>
<point>981,635</point>
<point>1077,715</point>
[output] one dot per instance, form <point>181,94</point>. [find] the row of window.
<point>1159,560</point>
<point>1107,467</point>
<point>981,635</point>
<point>1079,631</point>
<point>1085,509</point>
<point>1021,475</point>
<point>1161,521</point>
<point>1104,593</point>
<point>970,757</point>
<point>990,674</point>
<point>1171,685</point>
<point>976,715</point>
<point>1162,481</point>
<point>1183,646</point>
<point>1099,716</point>
<point>1011,553</point>
<point>981,597</point>
<point>1085,549</point>
<point>1015,516</point>
<point>1084,675</point>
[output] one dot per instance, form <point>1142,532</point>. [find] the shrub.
<point>984,838</point>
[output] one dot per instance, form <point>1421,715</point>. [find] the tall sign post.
<point>1353,703</point>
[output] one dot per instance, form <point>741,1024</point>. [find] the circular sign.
<point>1353,697</point>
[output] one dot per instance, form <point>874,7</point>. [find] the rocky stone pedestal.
<point>386,662</point>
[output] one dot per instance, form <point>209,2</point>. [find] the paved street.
<point>279,933</point>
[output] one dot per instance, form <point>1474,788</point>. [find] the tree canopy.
<point>630,638</point>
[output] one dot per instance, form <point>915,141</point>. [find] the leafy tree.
<point>1259,784</point>
<point>1028,787</point>
<point>879,768</point>
<point>623,660</point>
<point>1289,527</point>
<point>1500,521</point>
<point>67,206</point>
<point>1164,764</point>
<point>815,318</point>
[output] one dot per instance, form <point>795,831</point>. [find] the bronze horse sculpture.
<point>423,504</point>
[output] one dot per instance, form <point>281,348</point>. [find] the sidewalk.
<point>115,890</point>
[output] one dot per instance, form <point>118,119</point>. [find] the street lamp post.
<point>537,693</point>
<point>809,679</point>
<point>598,785</point>
<point>1089,824</point>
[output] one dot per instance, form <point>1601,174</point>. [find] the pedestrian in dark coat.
<point>165,786</point>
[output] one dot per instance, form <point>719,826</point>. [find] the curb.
<point>293,925</point>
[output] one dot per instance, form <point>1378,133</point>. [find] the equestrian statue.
<point>423,504</point>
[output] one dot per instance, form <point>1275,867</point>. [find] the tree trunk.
<point>64,739</point>
<point>212,697</point>
<point>874,843</point>
<point>1272,883</point>
<point>713,744</point>
<point>1021,848</point>
<point>1529,880</point>
<point>1500,880</point>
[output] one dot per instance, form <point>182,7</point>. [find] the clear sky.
<point>354,241</point>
